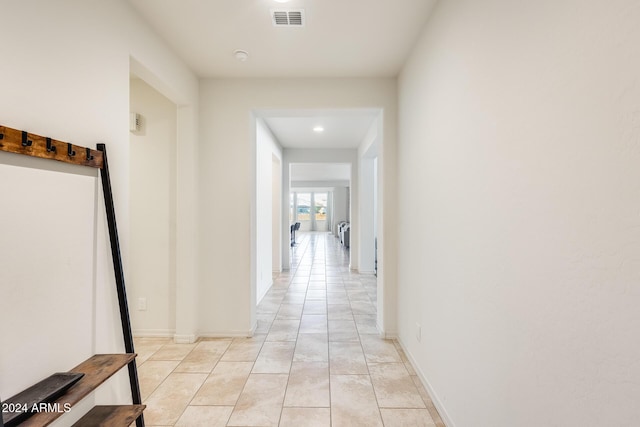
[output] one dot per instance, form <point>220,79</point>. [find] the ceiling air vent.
<point>288,18</point>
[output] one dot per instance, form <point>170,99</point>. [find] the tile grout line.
<point>322,254</point>
<point>294,347</point>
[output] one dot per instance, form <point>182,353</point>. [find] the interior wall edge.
<point>442,411</point>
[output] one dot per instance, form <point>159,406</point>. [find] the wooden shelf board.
<point>97,369</point>
<point>111,416</point>
<point>11,141</point>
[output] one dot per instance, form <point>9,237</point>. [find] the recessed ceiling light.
<point>241,55</point>
<point>318,129</point>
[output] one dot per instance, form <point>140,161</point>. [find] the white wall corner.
<point>253,329</point>
<point>184,339</point>
<point>446,419</point>
<point>264,293</point>
<point>386,335</point>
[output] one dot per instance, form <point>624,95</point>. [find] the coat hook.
<point>50,147</point>
<point>70,151</point>
<point>89,156</point>
<point>25,140</point>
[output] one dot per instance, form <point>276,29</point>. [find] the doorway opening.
<point>307,142</point>
<point>152,208</point>
<point>310,209</point>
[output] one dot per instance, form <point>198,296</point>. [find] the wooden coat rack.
<point>100,367</point>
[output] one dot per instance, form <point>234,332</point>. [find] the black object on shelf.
<point>26,403</point>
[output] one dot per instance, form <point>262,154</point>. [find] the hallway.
<point>315,360</point>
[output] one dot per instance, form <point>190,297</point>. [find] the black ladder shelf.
<point>100,367</point>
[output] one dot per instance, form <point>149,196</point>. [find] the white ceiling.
<point>342,128</point>
<point>341,38</point>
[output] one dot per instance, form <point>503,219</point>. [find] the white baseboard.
<point>184,338</point>
<point>446,419</point>
<point>154,333</point>
<point>391,335</point>
<point>233,334</point>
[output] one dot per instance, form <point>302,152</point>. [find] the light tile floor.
<point>316,359</point>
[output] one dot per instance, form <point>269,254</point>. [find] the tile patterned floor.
<point>316,359</point>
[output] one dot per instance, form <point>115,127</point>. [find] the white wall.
<point>519,228</point>
<point>152,272</point>
<point>267,147</point>
<point>47,256</point>
<point>226,153</point>
<point>367,152</point>
<point>340,206</point>
<point>366,211</point>
<point>68,78</point>
<point>276,216</point>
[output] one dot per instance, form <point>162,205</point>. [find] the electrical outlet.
<point>142,304</point>
<point>418,332</point>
